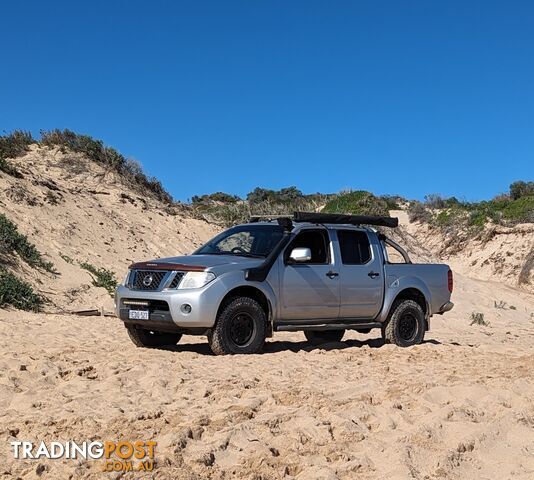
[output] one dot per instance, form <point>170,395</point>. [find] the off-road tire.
<point>241,327</point>
<point>150,338</point>
<point>318,337</point>
<point>405,325</point>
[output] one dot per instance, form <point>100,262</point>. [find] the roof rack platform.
<point>338,218</point>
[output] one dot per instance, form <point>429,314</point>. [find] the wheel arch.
<point>255,293</point>
<point>407,289</point>
<point>412,293</point>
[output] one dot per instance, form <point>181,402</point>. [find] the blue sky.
<point>407,97</point>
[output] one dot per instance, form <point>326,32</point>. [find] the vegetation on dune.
<point>215,197</point>
<point>13,145</point>
<point>101,277</point>
<point>450,213</point>
<point>226,209</point>
<point>358,202</point>
<point>12,241</point>
<point>17,293</point>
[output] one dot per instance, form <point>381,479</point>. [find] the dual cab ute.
<point>319,273</point>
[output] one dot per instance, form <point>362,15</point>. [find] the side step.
<point>296,327</point>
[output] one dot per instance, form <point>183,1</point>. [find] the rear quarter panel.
<point>430,279</point>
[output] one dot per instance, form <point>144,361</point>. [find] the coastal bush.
<point>215,197</point>
<point>521,189</point>
<point>359,202</point>
<point>13,145</point>
<point>226,210</point>
<point>18,293</point>
<point>506,209</point>
<point>13,241</point>
<point>101,277</point>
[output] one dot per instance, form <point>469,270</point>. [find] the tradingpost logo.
<point>119,456</point>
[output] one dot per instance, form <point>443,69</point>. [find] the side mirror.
<point>300,255</point>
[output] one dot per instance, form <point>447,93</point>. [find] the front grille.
<point>176,280</point>
<point>147,280</point>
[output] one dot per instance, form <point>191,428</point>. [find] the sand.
<point>459,406</point>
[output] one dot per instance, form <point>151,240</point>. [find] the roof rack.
<point>346,219</point>
<point>335,218</point>
<point>282,220</point>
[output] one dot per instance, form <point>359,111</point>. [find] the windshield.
<point>244,240</point>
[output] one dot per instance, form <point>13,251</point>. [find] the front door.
<point>361,275</point>
<point>309,290</point>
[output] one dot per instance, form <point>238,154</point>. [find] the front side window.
<point>316,241</point>
<point>354,246</point>
<point>244,240</point>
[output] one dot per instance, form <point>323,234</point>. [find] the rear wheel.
<point>405,325</point>
<point>317,337</point>
<point>151,338</point>
<point>240,328</point>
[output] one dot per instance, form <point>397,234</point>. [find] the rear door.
<point>360,273</point>
<point>309,290</point>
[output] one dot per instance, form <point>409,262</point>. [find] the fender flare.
<point>396,288</point>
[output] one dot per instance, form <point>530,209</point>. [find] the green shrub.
<point>216,197</point>
<point>101,277</point>
<point>393,201</point>
<point>358,202</point>
<point>15,144</point>
<point>17,293</point>
<point>224,209</point>
<point>284,195</point>
<point>94,149</point>
<point>418,212</point>
<point>521,189</point>
<point>518,207</point>
<point>13,241</point>
<point>520,210</point>
<point>434,200</point>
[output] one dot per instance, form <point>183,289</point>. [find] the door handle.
<point>332,274</point>
<point>373,274</point>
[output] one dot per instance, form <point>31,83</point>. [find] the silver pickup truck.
<point>319,273</point>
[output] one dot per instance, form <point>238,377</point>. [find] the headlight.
<point>196,279</point>
<point>126,278</point>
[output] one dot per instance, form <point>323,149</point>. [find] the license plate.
<point>138,314</point>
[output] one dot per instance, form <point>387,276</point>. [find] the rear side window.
<point>355,248</point>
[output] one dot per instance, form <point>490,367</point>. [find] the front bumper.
<point>165,307</point>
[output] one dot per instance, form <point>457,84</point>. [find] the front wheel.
<point>241,327</point>
<point>317,337</point>
<point>405,325</point>
<point>150,338</point>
